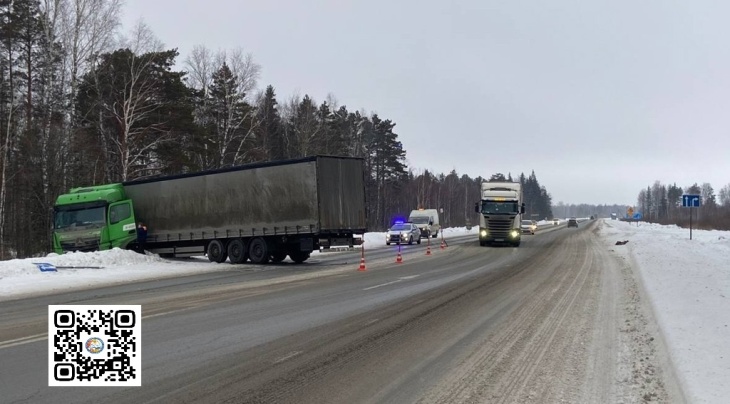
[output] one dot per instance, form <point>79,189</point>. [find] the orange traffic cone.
<point>443,244</point>
<point>362,259</point>
<point>399,258</point>
<point>428,248</point>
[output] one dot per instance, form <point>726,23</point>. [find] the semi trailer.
<point>259,212</point>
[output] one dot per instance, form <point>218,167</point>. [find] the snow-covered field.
<point>687,282</point>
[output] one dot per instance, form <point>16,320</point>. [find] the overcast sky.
<point>599,99</point>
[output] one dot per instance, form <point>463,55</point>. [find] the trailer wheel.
<point>237,251</point>
<point>298,256</point>
<point>278,256</point>
<point>258,251</point>
<point>216,251</point>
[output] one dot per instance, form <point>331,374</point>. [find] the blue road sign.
<point>690,201</point>
<point>46,267</point>
<point>638,216</point>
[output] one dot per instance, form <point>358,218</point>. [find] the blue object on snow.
<point>46,267</point>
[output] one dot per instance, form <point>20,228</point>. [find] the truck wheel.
<point>418,241</point>
<point>237,251</point>
<point>258,251</point>
<point>216,251</point>
<point>299,257</point>
<point>278,256</point>
<point>435,235</point>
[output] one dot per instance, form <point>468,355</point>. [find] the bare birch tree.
<point>87,28</point>
<point>224,80</point>
<point>724,195</point>
<point>9,108</point>
<point>125,94</point>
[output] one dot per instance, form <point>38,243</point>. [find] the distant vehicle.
<point>592,217</point>
<point>556,221</point>
<point>427,220</point>
<point>572,222</point>
<point>403,233</point>
<point>528,226</point>
<point>614,216</point>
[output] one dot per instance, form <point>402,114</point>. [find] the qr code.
<point>94,345</point>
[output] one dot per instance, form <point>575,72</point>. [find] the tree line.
<point>660,203</point>
<point>81,104</point>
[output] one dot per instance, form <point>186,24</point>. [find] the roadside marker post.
<point>691,201</point>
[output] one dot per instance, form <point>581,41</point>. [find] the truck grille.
<point>499,227</point>
<point>83,245</point>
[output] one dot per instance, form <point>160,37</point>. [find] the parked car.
<point>403,233</point>
<point>528,226</point>
<point>572,222</point>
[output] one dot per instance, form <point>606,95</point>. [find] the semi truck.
<point>259,212</point>
<point>500,213</point>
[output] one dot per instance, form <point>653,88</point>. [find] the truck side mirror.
<point>476,207</point>
<point>522,208</point>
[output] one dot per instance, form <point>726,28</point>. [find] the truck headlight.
<point>515,233</point>
<point>483,233</point>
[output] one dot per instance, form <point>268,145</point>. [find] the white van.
<point>427,220</point>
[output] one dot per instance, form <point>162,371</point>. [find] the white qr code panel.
<point>97,345</point>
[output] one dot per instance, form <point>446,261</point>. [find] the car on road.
<point>556,221</point>
<point>401,233</point>
<point>528,226</point>
<point>572,222</point>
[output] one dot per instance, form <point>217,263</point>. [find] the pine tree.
<point>269,134</point>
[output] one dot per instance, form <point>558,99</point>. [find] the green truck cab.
<point>93,218</point>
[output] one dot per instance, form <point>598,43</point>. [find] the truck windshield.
<point>69,219</point>
<point>499,208</point>
<point>419,219</point>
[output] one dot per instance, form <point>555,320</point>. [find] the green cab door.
<point>122,225</point>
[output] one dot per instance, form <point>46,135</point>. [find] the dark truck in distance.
<point>263,212</point>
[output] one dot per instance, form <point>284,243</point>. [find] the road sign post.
<point>690,201</point>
